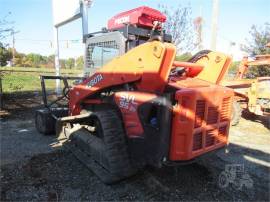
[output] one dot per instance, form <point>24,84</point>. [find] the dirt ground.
<point>34,169</point>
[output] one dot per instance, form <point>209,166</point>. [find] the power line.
<point>48,40</point>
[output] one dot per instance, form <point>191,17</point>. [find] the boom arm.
<point>147,66</point>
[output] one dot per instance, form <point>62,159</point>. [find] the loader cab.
<point>102,48</point>
<point>124,32</point>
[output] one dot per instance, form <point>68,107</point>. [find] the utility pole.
<point>13,46</point>
<point>57,61</point>
<point>198,28</point>
<point>198,23</point>
<point>214,26</point>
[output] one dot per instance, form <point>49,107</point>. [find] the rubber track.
<point>116,153</point>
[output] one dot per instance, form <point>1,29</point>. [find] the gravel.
<point>34,169</point>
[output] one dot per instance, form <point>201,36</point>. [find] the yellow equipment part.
<point>252,97</point>
<point>263,84</point>
<point>219,61</point>
<point>260,89</point>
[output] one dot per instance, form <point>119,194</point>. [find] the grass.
<point>39,70</point>
<point>21,79</point>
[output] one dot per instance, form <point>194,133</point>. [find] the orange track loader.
<point>142,107</point>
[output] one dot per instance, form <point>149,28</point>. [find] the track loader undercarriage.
<point>101,147</point>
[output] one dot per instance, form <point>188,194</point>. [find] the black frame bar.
<point>43,87</point>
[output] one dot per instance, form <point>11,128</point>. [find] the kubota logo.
<point>121,20</point>
<point>95,80</point>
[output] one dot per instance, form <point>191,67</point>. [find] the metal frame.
<point>141,33</point>
<point>43,87</point>
<point>116,37</point>
<point>84,4</point>
<point>130,30</point>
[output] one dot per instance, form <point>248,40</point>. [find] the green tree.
<point>184,57</point>
<point>70,63</point>
<point>63,63</point>
<point>256,45</point>
<point>233,69</point>
<point>50,61</point>
<point>79,62</point>
<point>35,60</point>
<point>5,55</point>
<point>19,60</point>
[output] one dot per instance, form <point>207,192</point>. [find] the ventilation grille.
<point>224,113</point>
<point>222,131</point>
<point>212,116</point>
<point>209,138</point>
<point>197,141</point>
<point>205,115</point>
<point>199,116</point>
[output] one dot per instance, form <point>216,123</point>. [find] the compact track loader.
<point>136,105</point>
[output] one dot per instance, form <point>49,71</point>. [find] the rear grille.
<point>199,116</point>
<point>222,131</point>
<point>222,134</point>
<point>210,138</point>
<point>224,113</point>
<point>197,141</point>
<point>206,115</point>
<point>212,116</point>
